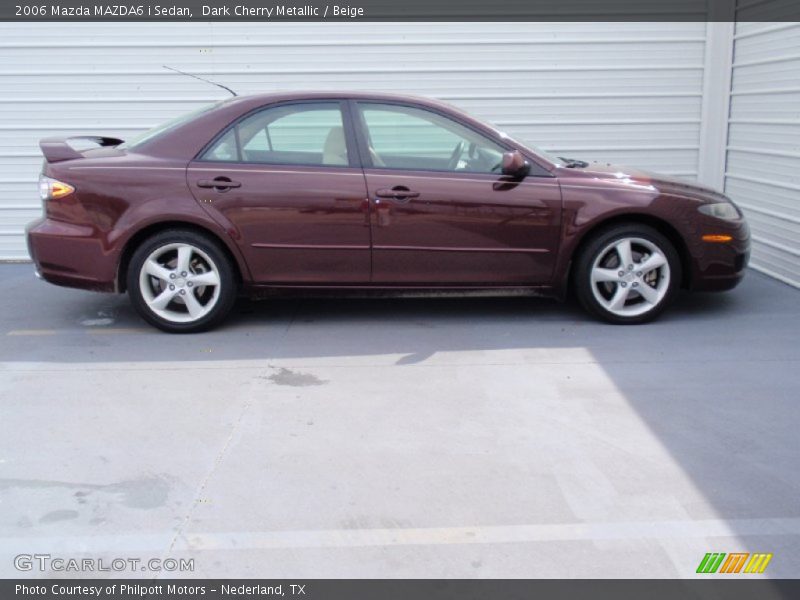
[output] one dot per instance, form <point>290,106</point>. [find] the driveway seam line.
<point>198,496</point>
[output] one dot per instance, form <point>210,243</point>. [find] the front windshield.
<point>164,127</point>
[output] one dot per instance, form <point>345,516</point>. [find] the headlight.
<point>721,210</point>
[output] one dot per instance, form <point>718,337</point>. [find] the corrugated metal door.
<point>763,161</point>
<point>622,92</point>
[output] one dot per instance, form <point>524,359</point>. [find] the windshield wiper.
<point>573,163</point>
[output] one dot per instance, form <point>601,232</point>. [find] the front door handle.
<point>398,193</point>
<point>221,184</point>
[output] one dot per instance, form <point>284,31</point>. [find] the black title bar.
<point>401,10</point>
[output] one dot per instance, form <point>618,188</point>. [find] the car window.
<point>293,134</point>
<point>224,149</point>
<point>160,130</point>
<point>404,137</point>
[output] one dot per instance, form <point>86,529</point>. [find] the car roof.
<point>280,96</point>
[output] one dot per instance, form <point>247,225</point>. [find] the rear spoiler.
<point>56,149</point>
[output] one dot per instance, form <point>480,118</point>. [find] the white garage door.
<point>622,92</point>
<point>763,167</point>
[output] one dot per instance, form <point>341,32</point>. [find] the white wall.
<point>763,151</point>
<point>653,95</point>
<point>623,92</point>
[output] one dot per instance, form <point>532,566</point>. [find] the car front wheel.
<point>627,274</point>
<point>181,281</point>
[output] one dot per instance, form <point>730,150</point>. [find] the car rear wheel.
<point>181,281</point>
<point>627,274</point>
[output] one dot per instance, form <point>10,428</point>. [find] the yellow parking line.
<point>103,331</point>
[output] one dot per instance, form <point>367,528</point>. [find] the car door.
<point>286,183</point>
<point>442,213</point>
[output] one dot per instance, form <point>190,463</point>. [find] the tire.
<point>193,296</point>
<point>614,290</point>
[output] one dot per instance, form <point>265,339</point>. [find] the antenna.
<point>224,87</point>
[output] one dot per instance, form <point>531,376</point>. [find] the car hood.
<point>665,184</point>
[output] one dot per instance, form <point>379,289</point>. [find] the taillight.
<point>52,189</point>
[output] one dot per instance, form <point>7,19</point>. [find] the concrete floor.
<point>500,437</point>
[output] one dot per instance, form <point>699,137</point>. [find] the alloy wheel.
<point>630,276</point>
<point>179,282</point>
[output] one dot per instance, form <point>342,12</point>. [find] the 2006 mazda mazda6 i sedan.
<point>367,191</point>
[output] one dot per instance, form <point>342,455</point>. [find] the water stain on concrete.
<point>295,379</point>
<point>59,515</point>
<point>144,493</point>
<point>414,358</point>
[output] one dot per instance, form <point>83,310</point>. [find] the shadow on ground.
<point>716,379</point>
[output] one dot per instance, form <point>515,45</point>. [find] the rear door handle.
<point>399,193</point>
<point>220,184</point>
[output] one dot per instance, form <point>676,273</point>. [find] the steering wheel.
<point>456,156</point>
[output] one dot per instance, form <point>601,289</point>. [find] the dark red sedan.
<point>367,191</point>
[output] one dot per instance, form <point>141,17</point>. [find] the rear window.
<point>160,130</point>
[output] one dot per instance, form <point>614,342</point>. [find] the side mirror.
<point>515,165</point>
